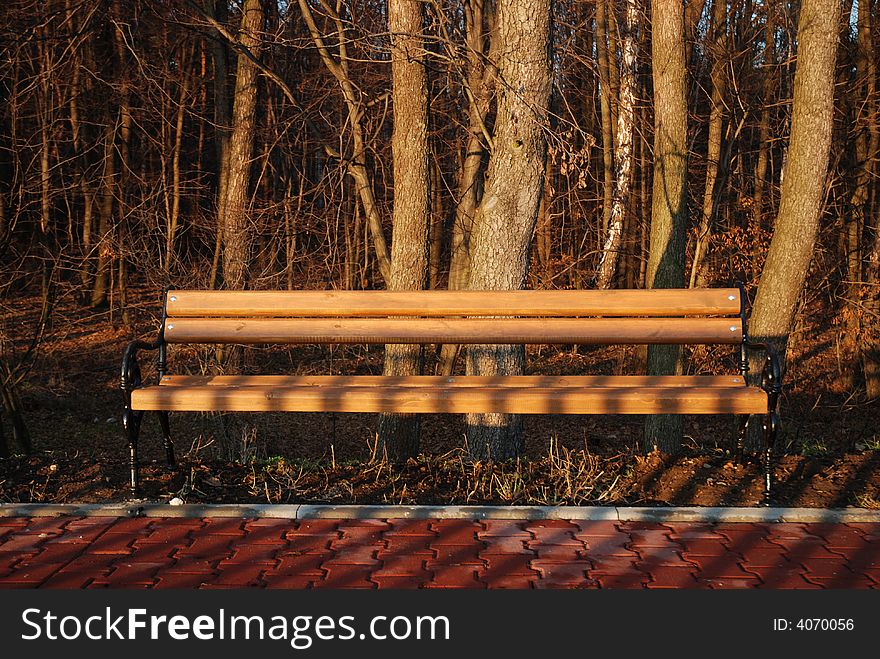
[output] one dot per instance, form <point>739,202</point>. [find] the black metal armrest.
<point>131,373</point>
<point>771,374</point>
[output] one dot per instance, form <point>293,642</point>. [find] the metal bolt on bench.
<point>658,316</point>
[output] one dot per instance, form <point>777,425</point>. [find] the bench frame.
<point>770,382</point>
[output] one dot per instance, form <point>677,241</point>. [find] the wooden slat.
<point>455,330</point>
<point>456,400</point>
<point>551,381</point>
<point>658,302</point>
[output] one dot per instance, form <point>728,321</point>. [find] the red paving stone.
<point>68,552</point>
<point>503,528</point>
<point>511,581</point>
<point>402,566</point>
<point>675,577</point>
<point>354,555</point>
<point>557,553</point>
<point>631,579</point>
<point>455,532</point>
<point>346,576</point>
<point>502,545</point>
<point>293,564</point>
<point>399,583</point>
<point>735,584</point>
<point>571,574</point>
<point>704,547</point>
<point>457,555</point>
<point>409,527</point>
<point>591,529</point>
<point>455,576</point>
<point>610,546</point>
<point>513,564</point>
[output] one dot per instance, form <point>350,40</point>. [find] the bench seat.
<point>538,394</point>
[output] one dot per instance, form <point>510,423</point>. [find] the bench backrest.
<point>673,316</point>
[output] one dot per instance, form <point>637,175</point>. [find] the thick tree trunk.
<point>237,234</point>
<point>669,209</point>
<point>398,433</point>
<point>623,152</point>
<point>803,187</point>
<point>505,221</point>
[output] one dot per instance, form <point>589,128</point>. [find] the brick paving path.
<point>100,552</point>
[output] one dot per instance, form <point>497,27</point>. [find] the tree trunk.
<point>438,215</point>
<point>104,241</point>
<point>220,57</point>
<point>857,219</point>
<point>605,109</point>
<point>398,433</point>
<point>669,207</point>
<point>505,222</point>
<point>692,13</point>
<point>716,122</point>
<point>479,84</point>
<point>623,152</point>
<point>174,219</point>
<point>126,120</point>
<point>803,187</point>
<point>237,232</point>
<point>769,83</point>
<point>870,344</point>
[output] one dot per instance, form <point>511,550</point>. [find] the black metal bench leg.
<point>131,421</point>
<point>771,425</point>
<point>166,438</point>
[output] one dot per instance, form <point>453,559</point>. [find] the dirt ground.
<point>830,437</point>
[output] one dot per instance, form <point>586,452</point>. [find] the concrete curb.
<point>584,513</point>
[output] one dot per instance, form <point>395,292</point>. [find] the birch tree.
<point>624,155</point>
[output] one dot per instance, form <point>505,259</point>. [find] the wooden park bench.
<point>660,316</point>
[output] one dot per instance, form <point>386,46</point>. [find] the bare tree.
<point>624,156</point>
<point>398,433</point>
<point>669,210</point>
<point>716,123</point>
<point>355,107</point>
<point>866,143</point>
<point>236,175</point>
<point>479,81</point>
<point>506,218</point>
<point>803,187</point>
<point>605,100</point>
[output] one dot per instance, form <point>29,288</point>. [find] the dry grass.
<point>562,476</point>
